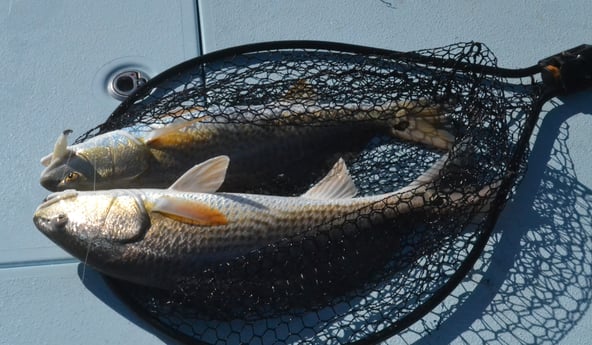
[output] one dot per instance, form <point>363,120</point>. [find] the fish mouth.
<point>49,224</point>
<point>48,220</point>
<point>48,182</point>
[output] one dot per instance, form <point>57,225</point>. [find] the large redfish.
<point>156,237</point>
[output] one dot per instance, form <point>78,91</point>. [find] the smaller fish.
<point>286,143</point>
<point>156,237</point>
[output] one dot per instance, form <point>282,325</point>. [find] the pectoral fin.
<point>337,184</point>
<point>189,211</point>
<point>172,136</point>
<point>206,177</point>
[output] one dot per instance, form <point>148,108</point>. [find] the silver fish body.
<point>283,145</point>
<point>157,237</point>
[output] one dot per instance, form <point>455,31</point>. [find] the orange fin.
<point>172,135</point>
<point>170,140</point>
<point>206,177</point>
<point>336,185</point>
<point>189,211</point>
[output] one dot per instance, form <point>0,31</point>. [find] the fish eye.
<point>71,177</point>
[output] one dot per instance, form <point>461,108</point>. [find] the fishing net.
<point>363,278</point>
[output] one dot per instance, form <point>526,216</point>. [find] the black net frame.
<point>466,75</point>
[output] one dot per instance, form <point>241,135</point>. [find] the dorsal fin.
<point>206,177</point>
<point>301,91</point>
<point>189,211</point>
<point>172,135</point>
<point>60,149</point>
<point>336,185</point>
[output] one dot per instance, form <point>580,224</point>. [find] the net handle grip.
<point>569,71</point>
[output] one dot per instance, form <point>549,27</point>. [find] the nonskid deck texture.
<point>533,282</point>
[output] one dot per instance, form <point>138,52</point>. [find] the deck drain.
<point>125,83</point>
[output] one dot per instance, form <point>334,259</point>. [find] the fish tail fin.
<point>422,122</point>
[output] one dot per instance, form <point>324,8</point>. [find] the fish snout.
<point>49,182</point>
<point>49,216</point>
<point>48,224</point>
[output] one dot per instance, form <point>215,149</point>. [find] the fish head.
<point>107,220</point>
<point>70,171</point>
<point>109,160</point>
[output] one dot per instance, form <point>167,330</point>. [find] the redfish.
<point>287,144</point>
<point>155,237</point>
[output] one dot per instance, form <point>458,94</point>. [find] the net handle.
<point>569,71</point>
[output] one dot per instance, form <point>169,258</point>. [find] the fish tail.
<point>481,198</point>
<point>427,197</point>
<point>422,122</point>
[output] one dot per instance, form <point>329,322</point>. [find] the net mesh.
<point>362,278</point>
